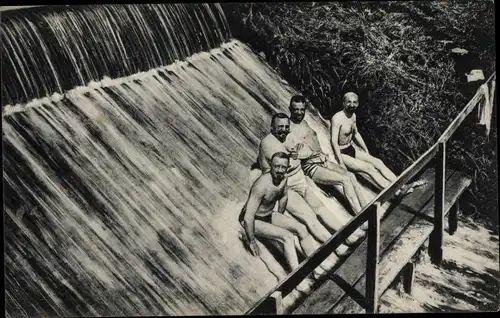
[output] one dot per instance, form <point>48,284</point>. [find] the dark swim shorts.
<point>350,151</point>
<point>266,218</point>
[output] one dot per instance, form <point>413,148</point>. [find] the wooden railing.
<point>271,303</point>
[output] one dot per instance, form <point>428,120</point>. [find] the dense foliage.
<point>397,56</point>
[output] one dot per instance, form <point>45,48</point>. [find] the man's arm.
<point>264,156</point>
<point>293,145</point>
<point>335,131</point>
<point>303,150</point>
<point>283,201</point>
<point>359,140</point>
<point>252,206</point>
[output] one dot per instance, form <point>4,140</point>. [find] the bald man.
<point>352,153</point>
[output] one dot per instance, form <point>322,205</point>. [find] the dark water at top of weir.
<point>49,50</point>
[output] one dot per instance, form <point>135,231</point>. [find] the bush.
<point>396,56</point>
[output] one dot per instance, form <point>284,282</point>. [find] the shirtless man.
<point>352,153</point>
<point>314,162</point>
<point>259,219</point>
<point>302,202</point>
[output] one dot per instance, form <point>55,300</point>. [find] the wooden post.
<point>408,277</point>
<point>278,300</point>
<point>436,238</point>
<point>453,218</point>
<point>272,305</point>
<point>492,90</point>
<point>371,293</point>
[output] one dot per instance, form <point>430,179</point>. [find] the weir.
<point>47,50</point>
<point>128,136</point>
<point>129,133</point>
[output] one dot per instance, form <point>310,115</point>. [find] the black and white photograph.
<point>249,158</point>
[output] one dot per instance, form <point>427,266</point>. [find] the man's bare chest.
<point>274,194</point>
<point>347,127</point>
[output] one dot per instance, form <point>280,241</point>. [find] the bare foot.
<point>418,183</point>
<point>305,286</point>
<point>330,262</point>
<point>405,189</point>
<point>342,250</point>
<point>318,272</point>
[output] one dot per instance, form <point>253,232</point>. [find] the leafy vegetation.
<point>397,56</point>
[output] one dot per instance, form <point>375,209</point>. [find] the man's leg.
<point>333,219</point>
<point>341,181</point>
<point>307,241</point>
<point>270,261</point>
<point>357,187</point>
<point>272,232</point>
<point>377,163</point>
<point>367,170</point>
<point>359,191</point>
<point>382,168</point>
<point>299,208</point>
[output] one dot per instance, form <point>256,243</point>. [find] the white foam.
<point>56,97</point>
<point>106,81</point>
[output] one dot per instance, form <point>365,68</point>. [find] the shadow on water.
<point>481,290</point>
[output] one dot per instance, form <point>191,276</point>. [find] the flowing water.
<point>121,196</point>
<point>53,50</point>
<point>128,184</point>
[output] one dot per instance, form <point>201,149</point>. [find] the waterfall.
<point>128,133</point>
<point>116,196</point>
<point>52,50</point>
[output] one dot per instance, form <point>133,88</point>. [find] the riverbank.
<point>467,280</point>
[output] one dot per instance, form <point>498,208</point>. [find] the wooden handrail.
<point>406,176</point>
<point>315,259</point>
<point>371,210</point>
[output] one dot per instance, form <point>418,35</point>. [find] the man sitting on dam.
<point>302,201</point>
<point>352,152</point>
<point>259,218</point>
<point>315,163</point>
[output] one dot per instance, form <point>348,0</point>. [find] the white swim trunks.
<point>297,181</point>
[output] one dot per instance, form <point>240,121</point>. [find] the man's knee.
<point>288,238</point>
<point>345,180</point>
<point>378,163</point>
<point>369,168</point>
<point>342,169</point>
<point>302,231</point>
